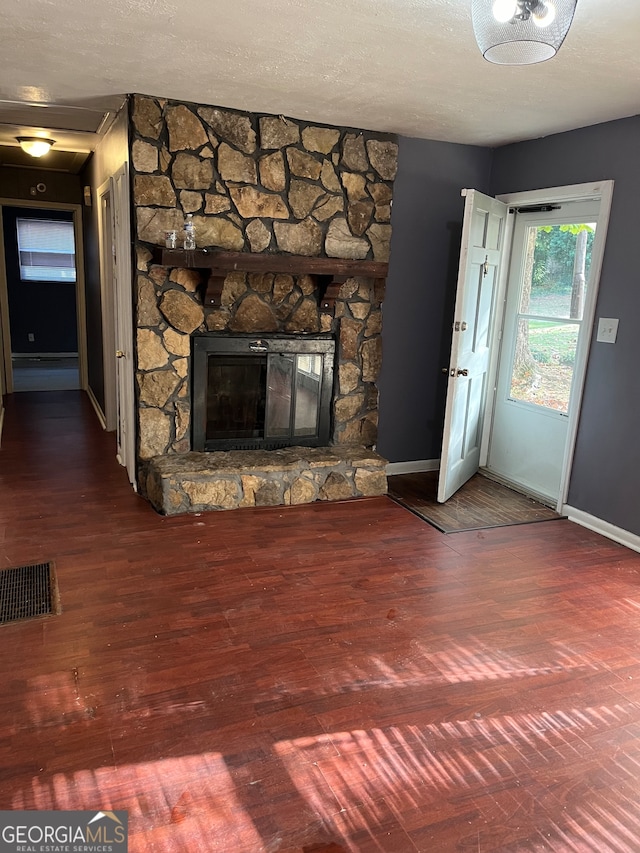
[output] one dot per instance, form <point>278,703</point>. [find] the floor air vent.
<point>27,592</point>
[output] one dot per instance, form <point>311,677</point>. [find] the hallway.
<point>281,680</point>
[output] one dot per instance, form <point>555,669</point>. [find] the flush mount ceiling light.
<point>521,32</point>
<point>35,145</point>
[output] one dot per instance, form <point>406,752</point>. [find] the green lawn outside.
<point>553,343</point>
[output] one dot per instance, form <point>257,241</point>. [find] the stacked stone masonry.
<point>296,475</point>
<point>261,184</point>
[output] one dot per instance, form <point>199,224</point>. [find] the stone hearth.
<point>194,482</point>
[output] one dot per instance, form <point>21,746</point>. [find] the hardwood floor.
<point>319,678</point>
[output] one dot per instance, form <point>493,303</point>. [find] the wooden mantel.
<point>330,273</point>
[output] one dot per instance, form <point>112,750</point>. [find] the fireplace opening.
<point>264,392</point>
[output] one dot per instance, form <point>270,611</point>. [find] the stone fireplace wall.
<point>261,184</point>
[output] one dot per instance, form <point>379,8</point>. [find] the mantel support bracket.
<point>329,290</point>
<point>213,291</point>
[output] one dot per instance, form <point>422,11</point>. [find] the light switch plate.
<point>607,330</point>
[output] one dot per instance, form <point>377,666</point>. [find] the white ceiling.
<point>404,66</point>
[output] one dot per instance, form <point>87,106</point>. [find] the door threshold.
<point>517,487</point>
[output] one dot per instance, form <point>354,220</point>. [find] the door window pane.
<point>545,355</point>
<point>557,264</point>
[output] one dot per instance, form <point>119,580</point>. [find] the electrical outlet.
<point>31,337</point>
<point>607,330</point>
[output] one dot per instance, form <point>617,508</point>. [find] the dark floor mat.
<point>479,504</point>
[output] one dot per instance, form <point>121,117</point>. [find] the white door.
<point>123,326</point>
<point>549,287</point>
<point>483,234</point>
<point>117,311</point>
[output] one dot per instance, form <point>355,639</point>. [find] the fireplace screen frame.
<point>265,346</point>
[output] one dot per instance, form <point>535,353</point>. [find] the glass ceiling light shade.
<point>35,145</point>
<point>521,32</point>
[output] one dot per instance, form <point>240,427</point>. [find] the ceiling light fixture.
<point>521,32</point>
<point>35,145</point>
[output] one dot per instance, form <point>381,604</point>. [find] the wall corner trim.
<point>416,467</point>
<point>624,537</point>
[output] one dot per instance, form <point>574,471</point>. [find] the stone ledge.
<point>197,482</point>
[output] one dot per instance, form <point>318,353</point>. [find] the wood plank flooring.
<point>332,677</point>
<point>479,504</point>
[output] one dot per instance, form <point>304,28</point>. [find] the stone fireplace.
<point>292,228</point>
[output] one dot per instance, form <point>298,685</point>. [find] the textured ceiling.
<point>404,66</point>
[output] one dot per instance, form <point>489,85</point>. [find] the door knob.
<point>119,353</point>
<point>463,372</point>
<point>445,369</point>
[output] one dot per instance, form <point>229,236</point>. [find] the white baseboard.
<point>416,467</point>
<point>624,537</point>
<point>96,406</point>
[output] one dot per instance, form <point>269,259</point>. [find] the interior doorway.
<point>41,297</point>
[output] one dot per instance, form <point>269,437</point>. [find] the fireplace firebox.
<point>254,392</point>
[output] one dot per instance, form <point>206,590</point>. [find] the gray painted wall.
<point>605,479</point>
<point>418,305</point>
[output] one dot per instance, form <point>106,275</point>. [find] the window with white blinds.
<point>46,249</point>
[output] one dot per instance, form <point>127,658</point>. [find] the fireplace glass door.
<point>236,396</point>
<point>294,383</point>
<point>266,393</point>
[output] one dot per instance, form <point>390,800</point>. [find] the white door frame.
<point>603,191</point>
<point>117,321</point>
<point>6,373</point>
<point>106,243</point>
